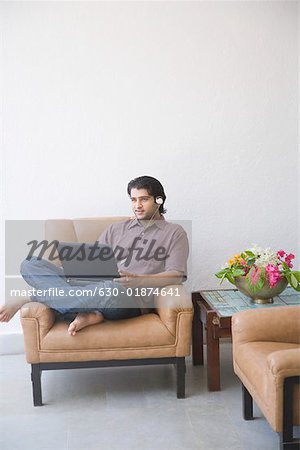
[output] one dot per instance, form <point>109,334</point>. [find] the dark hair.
<point>152,185</point>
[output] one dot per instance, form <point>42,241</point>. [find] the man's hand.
<point>162,279</point>
<point>128,279</point>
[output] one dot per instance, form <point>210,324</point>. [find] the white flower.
<point>267,256</point>
<point>256,250</point>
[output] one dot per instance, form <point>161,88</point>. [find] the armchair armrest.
<point>36,320</point>
<point>42,313</point>
<point>168,306</point>
<point>176,313</point>
<point>280,324</point>
<point>285,363</point>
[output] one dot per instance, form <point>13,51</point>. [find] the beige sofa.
<point>163,337</point>
<point>266,358</point>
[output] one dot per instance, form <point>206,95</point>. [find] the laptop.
<point>85,263</point>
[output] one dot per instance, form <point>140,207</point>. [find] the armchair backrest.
<point>280,324</point>
<point>77,230</point>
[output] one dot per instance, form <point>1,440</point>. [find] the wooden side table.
<point>213,310</point>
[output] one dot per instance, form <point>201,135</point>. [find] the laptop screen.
<point>82,260</point>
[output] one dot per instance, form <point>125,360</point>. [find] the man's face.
<point>143,204</point>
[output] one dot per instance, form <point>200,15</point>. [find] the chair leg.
<point>288,445</point>
<point>286,437</point>
<point>247,404</point>
<point>36,384</point>
<point>180,372</point>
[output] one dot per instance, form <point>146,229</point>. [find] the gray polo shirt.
<point>160,246</point>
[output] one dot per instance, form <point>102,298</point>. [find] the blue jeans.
<point>56,293</point>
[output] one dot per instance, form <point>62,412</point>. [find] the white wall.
<point>298,224</point>
<point>202,95</point>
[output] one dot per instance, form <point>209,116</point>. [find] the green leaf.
<point>250,285</point>
<point>296,274</point>
<point>293,277</point>
<point>219,274</point>
<point>230,278</point>
<point>260,281</point>
<point>293,281</point>
<point>251,261</point>
<point>238,272</point>
<point>222,272</point>
<point>249,253</point>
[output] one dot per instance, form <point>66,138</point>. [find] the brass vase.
<point>265,294</point>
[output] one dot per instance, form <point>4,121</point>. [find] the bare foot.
<point>8,311</point>
<point>83,320</point>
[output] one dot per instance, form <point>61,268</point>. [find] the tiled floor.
<point>126,408</point>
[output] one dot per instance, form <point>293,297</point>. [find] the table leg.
<point>213,354</point>
<point>197,335</point>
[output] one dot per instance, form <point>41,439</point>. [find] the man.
<point>150,253</point>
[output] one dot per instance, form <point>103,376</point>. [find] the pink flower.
<point>281,253</point>
<point>288,259</point>
<point>273,275</point>
<point>290,256</point>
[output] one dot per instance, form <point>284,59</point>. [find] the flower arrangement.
<point>260,266</point>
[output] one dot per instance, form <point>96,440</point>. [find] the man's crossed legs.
<point>84,305</point>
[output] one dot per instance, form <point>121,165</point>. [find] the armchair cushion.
<point>149,331</point>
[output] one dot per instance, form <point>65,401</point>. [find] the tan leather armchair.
<point>266,358</point>
<point>163,337</point>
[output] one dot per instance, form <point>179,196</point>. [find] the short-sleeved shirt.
<point>157,247</point>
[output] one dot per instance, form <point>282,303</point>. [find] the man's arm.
<point>162,279</point>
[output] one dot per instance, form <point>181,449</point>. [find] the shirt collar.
<point>136,223</point>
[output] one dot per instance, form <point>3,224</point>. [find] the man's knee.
<point>25,267</point>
